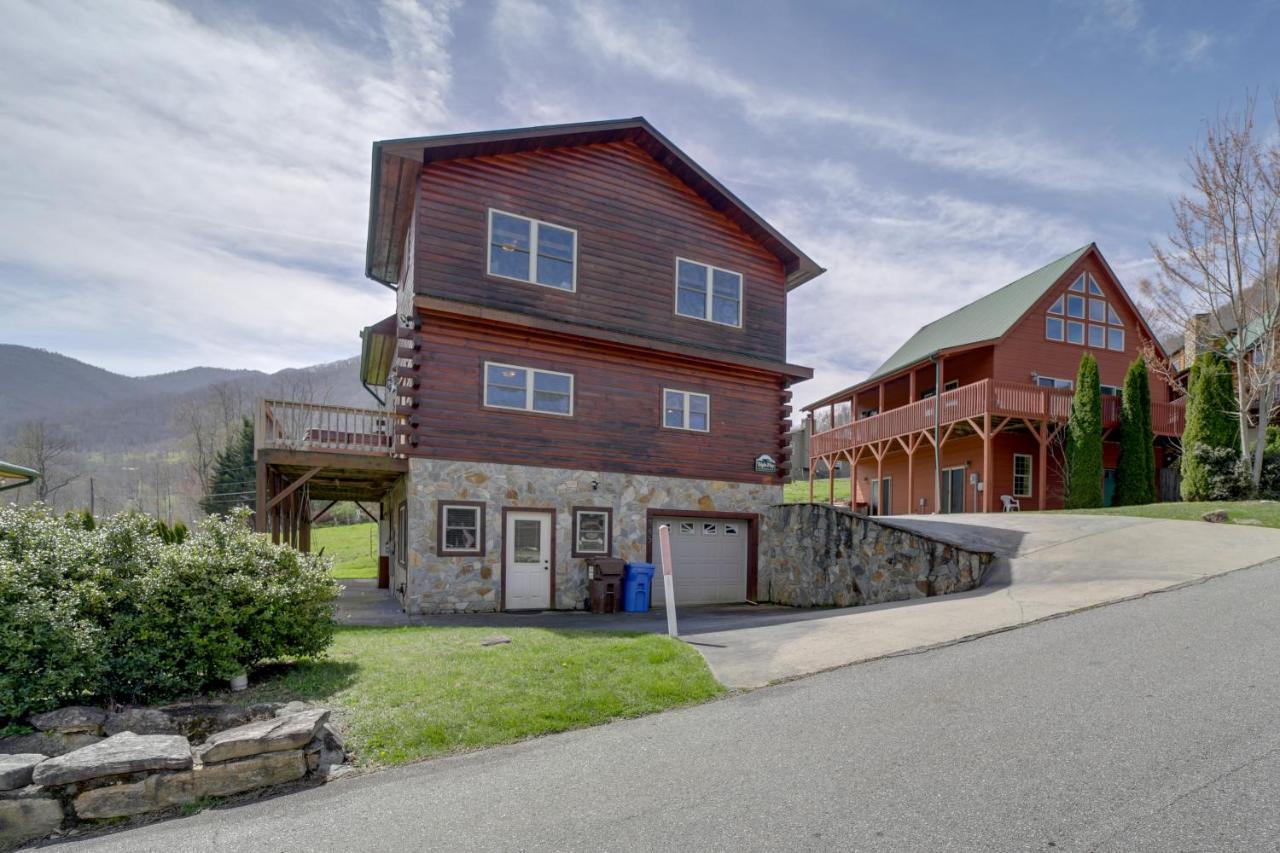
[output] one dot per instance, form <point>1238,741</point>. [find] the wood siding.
<point>616,425</point>
<point>1025,349</point>
<point>633,218</point>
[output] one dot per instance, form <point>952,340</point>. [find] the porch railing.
<point>1002,399</point>
<point>287,425</point>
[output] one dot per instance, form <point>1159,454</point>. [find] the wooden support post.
<point>911,387</point>
<point>986,461</point>
<point>1043,471</point>
<point>911,462</point>
<point>880,507</point>
<point>304,522</point>
<point>880,405</point>
<point>831,481</point>
<point>853,480</point>
<point>260,497</point>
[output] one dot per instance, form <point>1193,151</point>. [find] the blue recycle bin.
<point>635,587</point>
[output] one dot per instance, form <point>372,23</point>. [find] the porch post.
<point>986,461</point>
<point>911,386</point>
<point>853,480</point>
<point>911,460</point>
<point>880,510</point>
<point>808,450</point>
<point>260,496</point>
<point>831,481</point>
<point>1043,472</point>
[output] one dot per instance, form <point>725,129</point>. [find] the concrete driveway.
<point>1046,565</point>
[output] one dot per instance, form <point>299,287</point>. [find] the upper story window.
<point>1079,319</point>
<point>686,410</point>
<point>526,389</point>
<point>708,293</point>
<point>530,250</point>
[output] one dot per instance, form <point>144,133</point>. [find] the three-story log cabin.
<point>964,416</point>
<point>589,340</point>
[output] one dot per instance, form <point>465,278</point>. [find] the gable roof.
<point>396,163</point>
<point>984,319</point>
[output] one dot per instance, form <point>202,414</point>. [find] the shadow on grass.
<point>306,680</point>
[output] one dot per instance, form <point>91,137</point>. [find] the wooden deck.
<point>983,408</point>
<point>988,397</point>
<point>309,452</point>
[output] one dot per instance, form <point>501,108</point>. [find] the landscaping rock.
<point>46,743</point>
<point>199,720</point>
<point>325,750</point>
<point>122,753</point>
<point>263,710</point>
<point>74,719</point>
<point>165,790</point>
<point>294,707</point>
<point>495,640</point>
<point>23,820</point>
<point>293,731</point>
<point>15,770</point>
<point>1216,516</point>
<point>140,721</point>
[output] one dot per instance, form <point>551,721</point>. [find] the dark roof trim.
<point>438,304</point>
<point>390,155</point>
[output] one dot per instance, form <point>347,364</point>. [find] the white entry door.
<point>527,542</point>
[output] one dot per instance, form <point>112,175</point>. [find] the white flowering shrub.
<point>117,613</point>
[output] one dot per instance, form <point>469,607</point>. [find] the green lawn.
<point>353,547</point>
<point>408,693</point>
<point>1264,513</point>
<point>798,492</point>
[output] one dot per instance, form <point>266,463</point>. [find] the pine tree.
<point>232,483</point>
<point>1084,439</point>
<point>1211,421</point>
<point>1136,471</point>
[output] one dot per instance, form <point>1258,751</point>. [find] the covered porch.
<point>310,456</point>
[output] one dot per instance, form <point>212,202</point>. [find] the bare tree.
<point>42,447</point>
<point>1218,272</point>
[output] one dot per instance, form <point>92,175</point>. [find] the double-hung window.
<point>1022,475</point>
<point>507,386</point>
<point>460,528</point>
<point>531,250</point>
<point>686,410</point>
<point>708,293</point>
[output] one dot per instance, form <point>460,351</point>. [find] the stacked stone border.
<point>822,555</point>
<point>86,765</point>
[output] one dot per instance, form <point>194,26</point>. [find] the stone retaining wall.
<point>828,556</point>
<point>150,759</point>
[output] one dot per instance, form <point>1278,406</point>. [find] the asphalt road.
<point>1146,725</point>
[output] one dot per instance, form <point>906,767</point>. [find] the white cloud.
<point>205,184</point>
<point>662,49</point>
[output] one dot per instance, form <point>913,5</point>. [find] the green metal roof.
<point>982,320</point>
<point>9,473</point>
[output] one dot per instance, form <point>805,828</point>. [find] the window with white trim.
<point>591,532</point>
<point>507,386</point>
<point>1022,475</point>
<point>461,528</point>
<point>1085,319</point>
<point>530,250</point>
<point>1051,382</point>
<point>686,410</point>
<point>709,293</point>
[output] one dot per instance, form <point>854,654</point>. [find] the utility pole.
<point>90,496</point>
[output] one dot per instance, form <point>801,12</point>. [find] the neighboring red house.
<point>590,339</point>
<point>1006,365</point>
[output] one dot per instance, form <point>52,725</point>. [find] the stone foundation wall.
<point>827,556</point>
<point>438,584</point>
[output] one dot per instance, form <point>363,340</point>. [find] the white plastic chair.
<point>1010,503</point>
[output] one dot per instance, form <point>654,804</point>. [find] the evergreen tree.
<point>1136,471</point>
<point>1211,421</point>
<point>234,472</point>
<point>1084,439</point>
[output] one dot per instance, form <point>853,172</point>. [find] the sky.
<point>187,184</point>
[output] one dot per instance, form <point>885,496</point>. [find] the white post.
<point>668,586</point>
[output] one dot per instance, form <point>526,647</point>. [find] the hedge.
<point>117,613</point>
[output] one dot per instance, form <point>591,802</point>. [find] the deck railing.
<point>1001,399</point>
<point>287,425</point>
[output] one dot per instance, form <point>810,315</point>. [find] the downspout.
<point>937,434</point>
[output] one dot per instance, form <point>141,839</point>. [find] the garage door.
<point>710,557</point>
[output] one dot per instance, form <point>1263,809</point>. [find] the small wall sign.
<point>765,464</point>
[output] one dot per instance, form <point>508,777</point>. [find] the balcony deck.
<point>973,402</point>
<point>311,452</point>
